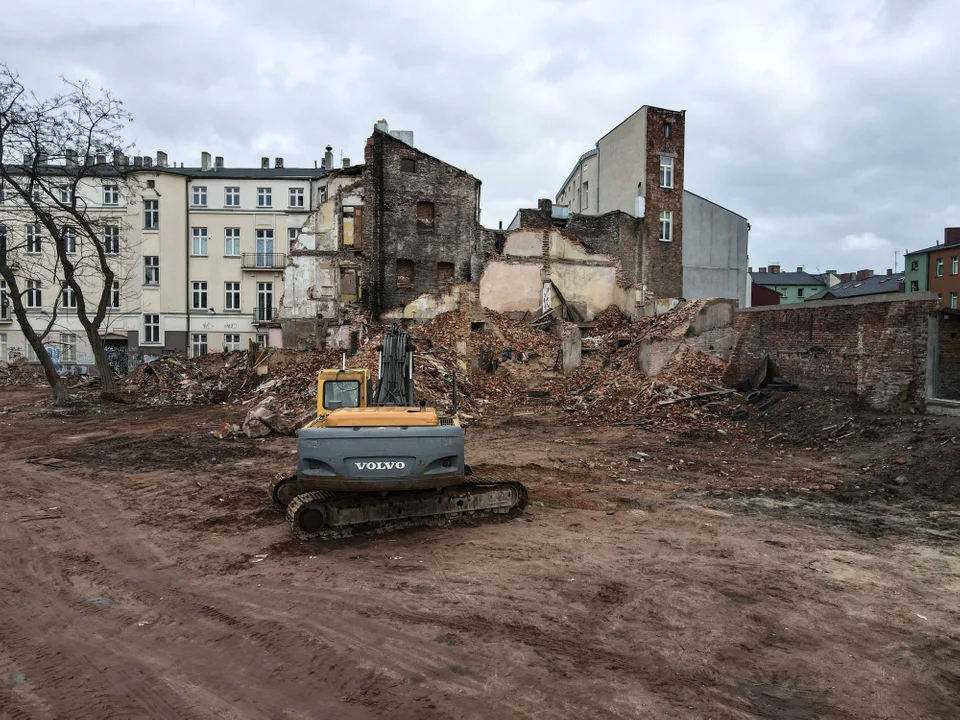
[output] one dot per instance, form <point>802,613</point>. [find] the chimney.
<point>749,269</point>
<point>278,162</point>
<point>889,271</point>
<point>204,160</point>
<point>117,158</point>
<point>846,277</point>
<point>382,126</point>
<point>545,205</point>
<point>799,269</point>
<point>71,158</point>
<point>88,160</point>
<point>951,236</point>
<point>345,162</point>
<point>161,159</point>
<point>328,158</point>
<point>864,274</point>
<point>218,162</point>
<point>774,268</point>
<point>147,161</point>
<point>264,163</point>
<point>137,161</point>
<point>101,159</point>
<point>763,269</point>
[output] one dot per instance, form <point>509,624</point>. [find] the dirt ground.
<point>738,573</point>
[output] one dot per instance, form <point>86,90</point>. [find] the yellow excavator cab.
<point>338,389</point>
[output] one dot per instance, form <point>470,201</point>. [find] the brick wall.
<point>427,216</point>
<point>948,377</point>
<point>662,262</point>
<point>871,350</point>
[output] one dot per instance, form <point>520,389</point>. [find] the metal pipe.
<point>186,223</point>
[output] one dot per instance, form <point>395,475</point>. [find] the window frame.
<point>68,347</point>
<point>115,289</point>
<point>408,165</point>
<point>295,194</point>
<point>68,298</point>
<point>954,264</point>
<point>114,236</point>
<point>155,267</point>
<point>199,194</point>
<point>231,193</point>
<point>666,171</point>
<point>66,194</point>
<point>69,240</point>
<point>228,343</point>
<point>953,300</point>
<point>111,191</point>
<point>202,235</point>
<point>151,328</point>
<point>199,292</point>
<point>339,384</point>
<point>232,296</point>
<point>151,214</point>
<point>264,193</point>
<point>938,268</point>
<point>34,294</point>
<point>666,222</point>
<point>293,234</point>
<point>34,239</point>
<point>228,239</point>
<point>197,343</point>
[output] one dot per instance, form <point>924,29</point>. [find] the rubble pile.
<point>16,372</point>
<point>175,380</point>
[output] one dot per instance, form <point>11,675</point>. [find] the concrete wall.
<point>872,350</point>
<point>714,251</point>
<point>623,163</point>
<point>509,287</point>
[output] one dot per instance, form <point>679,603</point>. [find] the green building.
<point>917,270</point>
<point>794,287</point>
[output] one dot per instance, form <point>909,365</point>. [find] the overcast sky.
<point>833,126</point>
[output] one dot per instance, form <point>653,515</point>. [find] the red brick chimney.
<point>889,271</point>
<point>951,236</point>
<point>846,277</point>
<point>799,269</point>
<point>864,274</point>
<point>763,269</point>
<point>774,268</point>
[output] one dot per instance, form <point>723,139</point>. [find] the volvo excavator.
<point>374,457</point>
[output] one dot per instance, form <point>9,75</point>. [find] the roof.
<point>588,153</point>
<point>934,248</point>
<point>785,278</point>
<point>228,173</point>
<point>876,285</point>
<point>715,204</point>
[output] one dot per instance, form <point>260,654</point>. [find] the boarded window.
<point>349,233</point>
<point>407,165</point>
<point>445,272</point>
<point>425,215</point>
<point>348,286</point>
<point>404,272</point>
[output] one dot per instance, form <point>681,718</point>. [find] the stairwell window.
<point>151,214</point>
<point>199,241</point>
<point>666,171</point>
<point>151,329</point>
<point>666,225</point>
<point>151,270</point>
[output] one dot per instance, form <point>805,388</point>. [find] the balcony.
<point>265,314</point>
<point>263,261</point>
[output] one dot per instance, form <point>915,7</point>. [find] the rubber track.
<point>386,526</point>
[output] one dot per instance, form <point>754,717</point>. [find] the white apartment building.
<point>201,256</point>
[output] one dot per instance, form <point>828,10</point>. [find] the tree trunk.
<point>60,396</point>
<point>108,381</point>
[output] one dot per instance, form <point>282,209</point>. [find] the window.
<point>264,197</point>
<point>151,184</point>
<point>151,270</point>
<point>231,300</point>
<point>68,347</point>
<point>199,241</point>
<point>323,194</point>
<point>151,329</point>
<point>351,235</point>
<point>3,196</point>
<point>914,286</point>
<point>666,225</point>
<point>111,195</point>
<point>35,194</point>
<point>69,240</point>
<point>405,272</point>
<point>66,194</point>
<point>292,235</point>
<point>3,347</point>
<point>233,197</point>
<point>200,295</point>
<point>199,345</point>
<point>151,214</point>
<point>445,272</point>
<point>200,195</point>
<point>954,264</point>
<point>111,240</point>
<point>340,394</point>
<point>33,239</point>
<point>939,266</point>
<point>231,343</point>
<point>407,165</point>
<point>115,295</point>
<point>296,197</point>
<point>34,299</point>
<point>265,248</point>
<point>586,195</point>
<point>915,265</point>
<point>666,171</point>
<point>231,242</point>
<point>261,342</point>
<point>799,292</point>
<point>953,300</point>
<point>667,129</point>
<point>264,301</point>
<point>68,298</point>
<point>425,216</point>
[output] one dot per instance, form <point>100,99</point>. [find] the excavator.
<point>375,458</point>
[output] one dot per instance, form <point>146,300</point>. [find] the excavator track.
<point>283,490</point>
<point>328,515</point>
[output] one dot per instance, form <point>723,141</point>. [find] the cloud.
<point>814,119</point>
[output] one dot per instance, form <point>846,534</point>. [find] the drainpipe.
<point>186,233</point>
<point>597,145</point>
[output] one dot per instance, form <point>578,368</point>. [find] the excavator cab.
<point>337,389</point>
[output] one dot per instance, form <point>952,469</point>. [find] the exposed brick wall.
<point>948,385</point>
<point>873,351</point>
<point>662,262</point>
<point>395,228</point>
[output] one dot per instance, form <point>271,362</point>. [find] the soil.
<point>777,568</point>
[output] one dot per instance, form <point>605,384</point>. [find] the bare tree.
<point>61,188</point>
